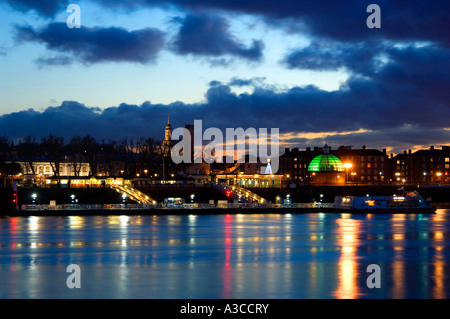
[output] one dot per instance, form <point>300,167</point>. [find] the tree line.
<point>134,156</point>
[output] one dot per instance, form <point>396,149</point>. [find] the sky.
<point>313,69</point>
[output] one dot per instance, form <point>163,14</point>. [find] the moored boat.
<point>410,202</point>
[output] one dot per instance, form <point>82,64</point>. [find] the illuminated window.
<point>370,202</point>
<point>369,165</point>
<point>447,159</point>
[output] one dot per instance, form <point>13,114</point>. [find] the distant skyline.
<point>312,69</point>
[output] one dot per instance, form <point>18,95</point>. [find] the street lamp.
<point>347,166</point>
<point>33,196</point>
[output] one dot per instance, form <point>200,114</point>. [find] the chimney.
<point>287,150</point>
<point>404,152</point>
<point>432,147</point>
<point>384,151</point>
<point>392,155</point>
<point>364,147</point>
<point>308,149</point>
<point>409,151</point>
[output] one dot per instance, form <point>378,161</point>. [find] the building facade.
<point>361,166</point>
<point>423,167</point>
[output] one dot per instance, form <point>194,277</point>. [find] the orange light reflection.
<point>347,286</point>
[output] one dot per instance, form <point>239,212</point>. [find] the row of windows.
<point>41,169</point>
<point>437,159</point>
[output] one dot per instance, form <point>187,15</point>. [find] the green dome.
<point>325,163</point>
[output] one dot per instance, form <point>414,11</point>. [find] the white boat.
<point>410,202</point>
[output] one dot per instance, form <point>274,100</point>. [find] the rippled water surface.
<point>227,256</point>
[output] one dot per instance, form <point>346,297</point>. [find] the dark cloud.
<point>209,36</point>
<point>93,45</point>
<point>257,81</point>
<point>362,58</point>
<point>54,60</point>
<point>47,8</point>
<point>340,20</point>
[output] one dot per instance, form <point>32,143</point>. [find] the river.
<point>257,256</point>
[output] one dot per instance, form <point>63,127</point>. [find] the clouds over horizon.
<point>395,94</point>
<point>358,115</point>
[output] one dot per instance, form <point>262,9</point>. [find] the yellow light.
<point>348,165</point>
<point>439,174</point>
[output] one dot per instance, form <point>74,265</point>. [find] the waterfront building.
<point>361,166</point>
<point>423,167</point>
<point>45,168</point>
<point>326,169</point>
<point>364,166</point>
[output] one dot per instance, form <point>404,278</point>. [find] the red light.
<point>228,193</point>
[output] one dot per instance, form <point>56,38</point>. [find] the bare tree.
<point>127,150</point>
<point>76,154</point>
<point>52,146</point>
<point>148,149</point>
<point>29,148</point>
<point>90,150</point>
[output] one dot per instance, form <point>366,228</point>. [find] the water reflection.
<point>348,230</point>
<point>227,272</point>
<point>226,256</point>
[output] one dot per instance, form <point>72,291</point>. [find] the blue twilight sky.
<point>313,69</point>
